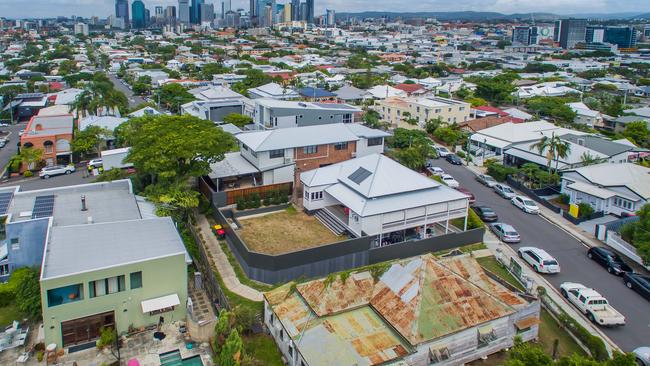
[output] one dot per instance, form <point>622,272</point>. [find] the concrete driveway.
<point>571,253</point>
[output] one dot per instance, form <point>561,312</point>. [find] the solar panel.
<point>43,206</point>
<point>5,199</point>
<point>359,175</point>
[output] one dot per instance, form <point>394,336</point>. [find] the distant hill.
<point>487,16</point>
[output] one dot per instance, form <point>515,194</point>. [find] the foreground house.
<point>610,188</point>
<point>376,196</point>
<point>420,311</point>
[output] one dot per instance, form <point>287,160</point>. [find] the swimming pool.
<point>173,358</point>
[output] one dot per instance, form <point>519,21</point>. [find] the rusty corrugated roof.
<point>326,299</point>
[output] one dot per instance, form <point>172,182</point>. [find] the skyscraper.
<point>331,18</point>
<point>572,32</point>
<point>170,15</point>
<point>122,10</point>
<point>521,35</point>
<point>206,13</point>
<point>310,11</point>
<point>138,12</point>
<point>253,8</point>
<point>286,14</point>
<point>195,11</point>
<point>623,37</point>
<point>226,6</point>
<point>295,9</point>
<point>184,11</point>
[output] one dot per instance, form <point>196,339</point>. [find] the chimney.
<point>83,203</point>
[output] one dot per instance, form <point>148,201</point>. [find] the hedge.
<point>500,172</point>
<point>595,344</point>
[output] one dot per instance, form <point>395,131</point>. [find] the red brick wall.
<point>326,154</point>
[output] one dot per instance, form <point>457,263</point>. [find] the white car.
<point>442,151</point>
<point>95,163</point>
<point>50,171</point>
<point>434,170</point>
<point>525,204</point>
<point>592,304</point>
<point>450,181</point>
<point>539,259</point>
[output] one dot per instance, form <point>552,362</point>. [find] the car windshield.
<point>487,177</point>
<point>487,210</point>
<point>529,203</point>
<point>508,190</point>
<point>550,262</point>
<point>511,233</point>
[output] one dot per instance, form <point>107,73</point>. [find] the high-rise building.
<point>170,15</point>
<point>195,11</point>
<point>303,11</point>
<point>286,15</point>
<point>521,35</point>
<point>310,11</point>
<point>331,18</point>
<point>184,11</point>
<point>81,28</point>
<point>138,13</point>
<point>295,9</point>
<point>232,19</point>
<point>646,32</point>
<point>623,37</point>
<point>158,11</point>
<point>226,6</point>
<point>252,11</point>
<point>122,10</point>
<point>206,13</point>
<point>572,32</point>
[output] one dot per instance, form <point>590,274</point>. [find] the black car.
<point>454,159</point>
<point>485,213</point>
<point>609,260</point>
<point>638,283</point>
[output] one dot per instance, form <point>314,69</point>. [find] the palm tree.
<point>30,156</point>
<point>562,150</point>
<point>555,149</point>
<point>588,159</point>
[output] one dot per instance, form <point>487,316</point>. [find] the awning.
<point>591,190</point>
<point>160,303</point>
<point>526,323</point>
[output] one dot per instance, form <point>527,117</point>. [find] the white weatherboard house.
<point>375,195</point>
<point>611,188</point>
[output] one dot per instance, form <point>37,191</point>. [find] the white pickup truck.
<point>592,304</point>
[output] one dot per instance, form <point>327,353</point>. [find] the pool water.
<point>173,358</point>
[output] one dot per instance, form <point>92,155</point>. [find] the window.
<point>253,153</point>
<point>448,109</point>
<point>341,146</point>
<point>106,286</point>
<point>49,149</point>
<point>15,245</point>
<point>347,118</point>
<point>438,110</point>
<point>315,196</point>
<point>623,203</point>
<point>4,269</point>
<point>65,295</point>
<point>274,154</point>
<point>306,195</point>
<point>136,280</point>
<point>375,141</point>
<point>310,149</point>
<point>244,147</point>
<point>461,108</point>
<point>417,109</point>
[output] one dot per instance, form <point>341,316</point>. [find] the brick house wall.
<point>326,155</point>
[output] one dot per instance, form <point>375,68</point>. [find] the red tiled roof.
<point>409,88</point>
<point>487,122</point>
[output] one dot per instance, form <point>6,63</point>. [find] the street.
<point>134,100</point>
<point>34,183</point>
<point>12,144</point>
<point>571,254</point>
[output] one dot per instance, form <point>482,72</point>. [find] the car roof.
<point>539,251</point>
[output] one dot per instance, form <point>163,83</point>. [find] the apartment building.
<point>398,110</point>
<point>279,156</point>
<point>215,102</point>
<point>272,113</point>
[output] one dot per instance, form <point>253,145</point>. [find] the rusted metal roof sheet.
<point>338,296</point>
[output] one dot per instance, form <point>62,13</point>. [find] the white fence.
<point>616,242</point>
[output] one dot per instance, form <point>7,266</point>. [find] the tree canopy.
<point>172,96</point>
<point>237,119</point>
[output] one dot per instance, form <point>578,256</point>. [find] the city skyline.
<point>102,8</point>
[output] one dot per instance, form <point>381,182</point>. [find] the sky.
<point>103,8</point>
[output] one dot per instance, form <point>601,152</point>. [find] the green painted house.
<point>118,274</point>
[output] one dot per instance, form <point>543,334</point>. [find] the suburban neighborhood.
<point>296,183</point>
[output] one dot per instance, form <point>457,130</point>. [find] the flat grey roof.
<point>92,247</point>
<point>108,201</point>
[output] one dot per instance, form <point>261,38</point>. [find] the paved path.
<point>222,264</point>
<point>568,244</point>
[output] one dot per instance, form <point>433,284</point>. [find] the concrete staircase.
<point>330,221</point>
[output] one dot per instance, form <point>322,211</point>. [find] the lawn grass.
<point>549,331</point>
<point>492,265</point>
<point>284,232</point>
<point>8,314</point>
<point>263,348</point>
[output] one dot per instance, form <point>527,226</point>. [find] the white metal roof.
<point>591,190</point>
<point>632,176</point>
<point>284,138</point>
<point>232,165</point>
<point>160,303</point>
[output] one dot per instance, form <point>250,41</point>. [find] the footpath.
<point>222,264</point>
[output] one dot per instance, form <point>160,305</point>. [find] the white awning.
<point>160,303</point>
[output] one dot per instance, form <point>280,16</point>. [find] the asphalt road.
<point>576,267</point>
<point>12,145</point>
<point>134,100</point>
<point>34,183</point>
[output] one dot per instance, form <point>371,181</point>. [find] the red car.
<point>467,192</point>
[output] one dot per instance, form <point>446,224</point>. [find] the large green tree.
<point>172,96</point>
<point>89,140</point>
<point>232,351</point>
<point>637,132</point>
<point>237,119</point>
<point>170,149</point>
<point>28,292</point>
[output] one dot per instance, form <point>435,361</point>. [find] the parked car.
<point>539,259</point>
<point>486,180</point>
<point>4,124</point>
<point>504,191</point>
<point>505,232</point>
<point>453,159</point>
<point>3,143</point>
<point>472,198</point>
<point>95,163</point>
<point>609,259</point>
<point>642,355</point>
<point>485,213</point>
<point>50,171</point>
<point>525,204</point>
<point>638,283</point>
<point>442,151</point>
<point>435,170</point>
<point>21,132</point>
<point>450,181</point>
<point>592,304</point>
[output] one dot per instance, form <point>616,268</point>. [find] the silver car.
<point>642,355</point>
<point>51,171</point>
<point>505,232</point>
<point>504,191</point>
<point>486,180</point>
